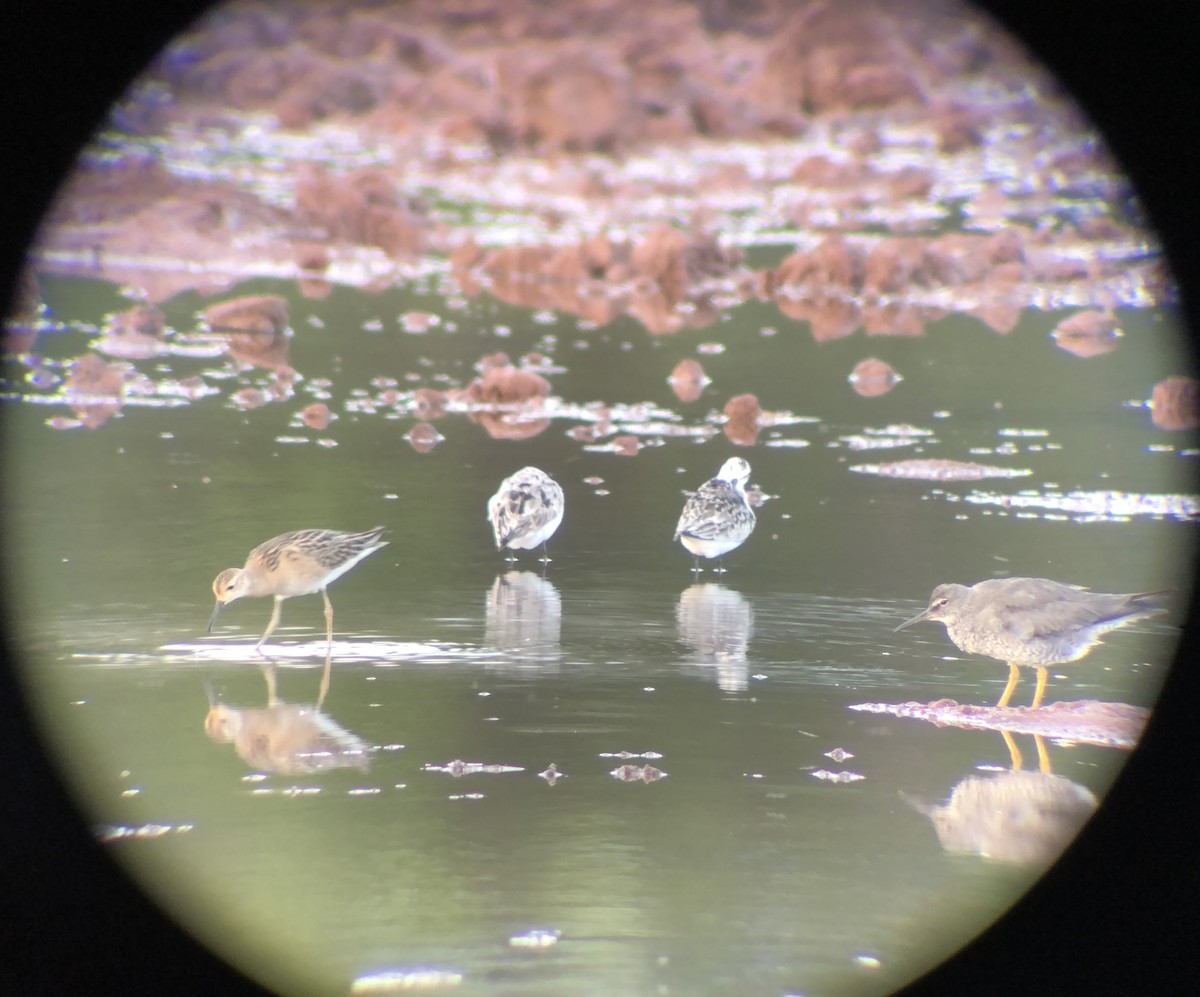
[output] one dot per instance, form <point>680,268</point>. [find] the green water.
<point>738,871</point>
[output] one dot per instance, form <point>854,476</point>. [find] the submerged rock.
<point>688,380</point>
<point>266,313</point>
<point>1175,403</point>
<point>1088,333</point>
<point>743,419</point>
<point>872,378</point>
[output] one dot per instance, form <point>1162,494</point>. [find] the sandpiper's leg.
<point>328,621</point>
<point>696,569</point>
<point>324,690</point>
<point>1013,674</point>
<point>545,558</point>
<point>271,625</point>
<point>268,670</point>
<point>1014,753</point>
<point>1041,686</point>
<point>1043,754</point>
<point>720,568</point>
<point>328,649</point>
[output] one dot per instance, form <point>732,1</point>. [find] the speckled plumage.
<point>526,510</point>
<point>296,563</point>
<point>1032,622</point>
<point>718,517</point>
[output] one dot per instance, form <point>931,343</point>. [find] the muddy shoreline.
<point>895,162</point>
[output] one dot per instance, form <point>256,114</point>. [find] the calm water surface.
<point>744,858</point>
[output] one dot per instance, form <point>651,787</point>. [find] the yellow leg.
<point>1041,686</point>
<point>1014,753</point>
<point>1013,675</point>
<point>1043,754</point>
<point>271,625</point>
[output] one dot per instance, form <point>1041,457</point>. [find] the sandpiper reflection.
<point>285,738</point>
<point>524,616</point>
<point>1019,817</point>
<point>716,622</point>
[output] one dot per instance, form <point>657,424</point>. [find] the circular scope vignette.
<point>700,497</point>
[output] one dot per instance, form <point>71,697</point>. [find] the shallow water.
<point>703,834</point>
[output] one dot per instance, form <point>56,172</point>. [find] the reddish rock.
<point>312,257</point>
<point>362,206</point>
<point>268,350</point>
<point>418,322</point>
<point>510,425</point>
<point>566,265</point>
<point>317,416</point>
<point>249,398</point>
<point>892,264</point>
<point>492,360</point>
<point>872,378</point>
<point>897,318</point>
<point>314,288</point>
<point>687,380</point>
<point>955,258</point>
<point>1100,228</point>
<point>1006,246</point>
<point>466,254</point>
<point>654,308</point>
<point>659,256</point>
<point>704,257</point>
<point>574,100</point>
<point>626,446</point>
<point>429,403</point>
<point>391,229</point>
<point>909,182</point>
<point>517,261</point>
<point>94,388</point>
<point>821,171</point>
<point>742,432</point>
<point>134,334</point>
<point>743,416</point>
<point>508,385</point>
<point>832,263</point>
<point>423,437</point>
<point>140,320</point>
<point>1175,403</point>
<point>266,313</point>
<point>955,129</point>
<point>829,316</point>
<point>1000,315</point>
<point>1088,333</point>
<point>91,375</point>
<point>832,56</point>
<point>743,407</point>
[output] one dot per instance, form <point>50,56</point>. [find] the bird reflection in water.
<point>285,738</point>
<point>523,615</point>
<point>716,622</point>
<point>1022,818</point>
<point>1014,752</point>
